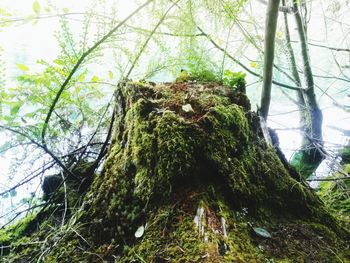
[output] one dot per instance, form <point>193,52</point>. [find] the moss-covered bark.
<point>200,180</point>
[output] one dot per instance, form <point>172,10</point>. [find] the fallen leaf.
<point>140,231</point>
<point>187,108</point>
<point>262,232</point>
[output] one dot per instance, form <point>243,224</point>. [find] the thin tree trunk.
<point>311,155</point>
<point>270,34</point>
<point>303,110</point>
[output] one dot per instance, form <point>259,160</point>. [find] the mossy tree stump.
<point>190,178</point>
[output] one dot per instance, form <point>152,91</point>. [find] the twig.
<point>95,132</point>
<point>105,144</point>
<point>28,179</point>
<point>328,179</point>
<point>43,147</point>
<point>65,201</point>
<point>149,38</point>
<point>327,47</point>
<point>19,213</point>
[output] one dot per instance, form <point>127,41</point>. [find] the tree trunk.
<point>269,51</point>
<point>311,154</point>
<point>188,178</point>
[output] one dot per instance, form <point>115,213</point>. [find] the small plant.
<point>234,80</point>
<point>205,75</point>
<point>201,75</point>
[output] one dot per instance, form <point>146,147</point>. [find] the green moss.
<point>304,163</point>
<point>165,162</point>
<point>173,236</point>
<point>296,236</point>
<point>176,142</point>
<point>335,195</point>
<point>16,236</point>
<point>161,147</point>
<point>205,75</point>
<point>234,80</point>
<point>16,230</point>
<point>198,74</point>
<point>224,144</point>
<point>345,155</point>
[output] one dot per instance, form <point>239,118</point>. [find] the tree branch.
<point>327,47</point>
<point>328,179</point>
<point>41,146</point>
<point>27,179</point>
<point>149,38</point>
<point>79,62</point>
<point>241,64</point>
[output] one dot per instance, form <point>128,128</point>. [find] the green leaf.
<point>5,147</point>
<point>140,231</point>
<point>234,79</point>
<point>22,67</point>
<point>15,108</point>
<point>81,77</point>
<point>58,62</point>
<point>253,64</point>
<point>47,9</point>
<point>77,89</point>
<point>279,35</point>
<point>110,74</point>
<point>7,118</point>
<point>187,108</point>
<point>262,232</point>
<point>36,7</point>
<point>95,79</point>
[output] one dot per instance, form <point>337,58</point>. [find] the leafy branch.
<point>79,62</point>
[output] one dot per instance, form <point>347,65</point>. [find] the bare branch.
<point>328,179</point>
<point>327,47</point>
<point>29,178</point>
<point>41,146</point>
<point>19,213</point>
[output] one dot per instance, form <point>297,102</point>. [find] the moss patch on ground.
<point>336,195</point>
